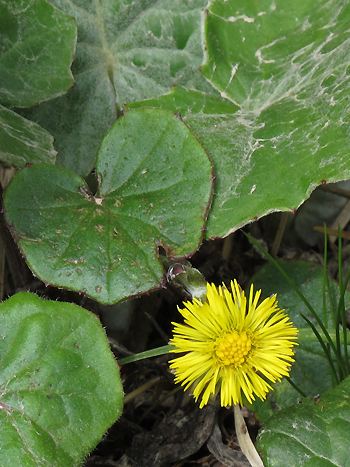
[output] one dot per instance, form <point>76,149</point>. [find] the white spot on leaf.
<point>246,19</point>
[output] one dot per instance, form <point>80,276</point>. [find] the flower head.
<point>232,346</point>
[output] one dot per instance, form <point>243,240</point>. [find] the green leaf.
<point>286,69</point>
<point>154,188</point>
<point>314,433</point>
<point>60,386</point>
<point>126,51</point>
<point>310,372</point>
<point>22,141</point>
<point>37,44</point>
<point>309,278</point>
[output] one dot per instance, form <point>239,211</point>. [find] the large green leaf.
<point>37,43</point>
<point>22,141</point>
<point>60,386</point>
<point>314,433</point>
<point>126,51</point>
<point>154,188</point>
<point>281,126</point>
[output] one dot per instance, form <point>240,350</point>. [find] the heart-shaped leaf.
<point>281,125</point>
<point>126,51</point>
<point>22,141</point>
<point>37,44</point>
<point>60,386</point>
<point>154,188</point>
<point>314,433</point>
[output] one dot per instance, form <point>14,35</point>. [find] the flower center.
<point>233,348</point>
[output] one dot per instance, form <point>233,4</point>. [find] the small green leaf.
<point>60,386</point>
<point>126,51</point>
<point>283,73</point>
<point>314,433</point>
<point>154,188</point>
<point>22,141</point>
<point>37,44</point>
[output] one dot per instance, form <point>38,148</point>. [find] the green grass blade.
<point>294,286</point>
<point>344,324</point>
<point>325,277</point>
<point>324,347</point>
<point>340,305</point>
<point>147,354</point>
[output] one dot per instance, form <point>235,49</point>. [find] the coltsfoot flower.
<point>232,346</point>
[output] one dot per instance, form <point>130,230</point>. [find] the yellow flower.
<point>232,347</point>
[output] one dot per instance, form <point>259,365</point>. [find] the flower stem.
<point>147,354</point>
<point>244,439</point>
